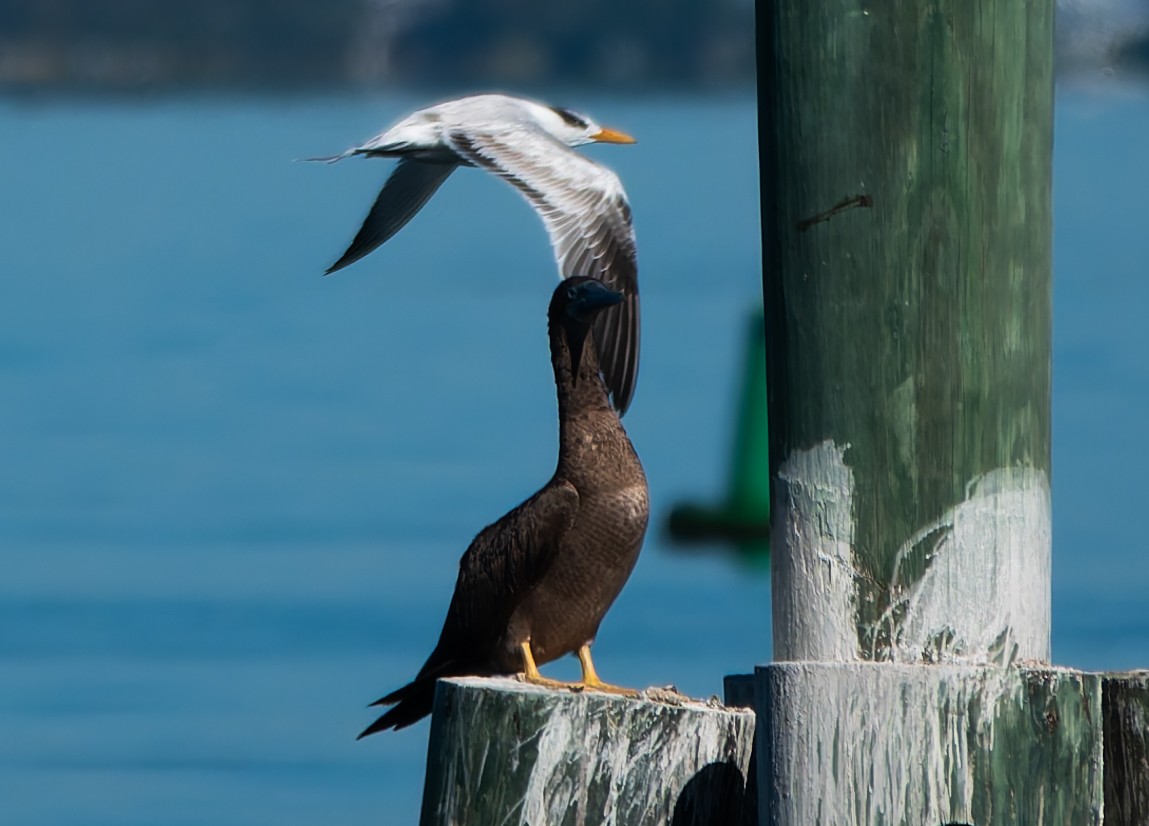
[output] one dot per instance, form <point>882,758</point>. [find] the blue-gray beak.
<point>592,297</point>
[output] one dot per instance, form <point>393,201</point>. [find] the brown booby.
<point>536,584</point>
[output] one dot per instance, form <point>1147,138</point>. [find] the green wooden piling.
<point>906,161</point>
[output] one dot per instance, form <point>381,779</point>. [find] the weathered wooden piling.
<point>906,163</point>
<point>505,752</point>
<point>889,743</point>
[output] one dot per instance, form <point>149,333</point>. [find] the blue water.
<point>233,492</point>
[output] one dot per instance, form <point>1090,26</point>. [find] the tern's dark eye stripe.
<point>570,117</point>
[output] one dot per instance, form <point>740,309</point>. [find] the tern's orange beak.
<point>612,136</point>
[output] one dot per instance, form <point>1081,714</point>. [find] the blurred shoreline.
<point>158,46</point>
<point>125,48</point>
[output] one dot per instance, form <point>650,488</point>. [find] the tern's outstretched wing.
<point>588,219</point>
<point>410,186</point>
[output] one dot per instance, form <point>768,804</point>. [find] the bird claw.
<point>544,682</point>
<point>607,688</point>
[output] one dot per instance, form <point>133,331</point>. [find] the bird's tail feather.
<point>413,701</point>
<point>357,150</point>
<point>333,158</point>
<point>410,704</point>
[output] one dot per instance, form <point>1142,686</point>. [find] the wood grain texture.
<point>739,692</point>
<point>503,752</point>
<point>872,744</point>
<point>906,160</point>
<point>1125,698</point>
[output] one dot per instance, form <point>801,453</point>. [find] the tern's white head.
<point>573,128</point>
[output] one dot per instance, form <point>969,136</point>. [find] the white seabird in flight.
<point>528,144</point>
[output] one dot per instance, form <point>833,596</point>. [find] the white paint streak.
<point>546,777</point>
<point>905,423</point>
<point>814,580</point>
<point>985,594</point>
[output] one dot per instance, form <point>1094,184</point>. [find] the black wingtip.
<point>359,249</point>
<point>347,259</point>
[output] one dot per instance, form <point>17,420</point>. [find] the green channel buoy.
<point>744,518</point>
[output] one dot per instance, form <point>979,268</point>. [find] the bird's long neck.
<point>580,390</point>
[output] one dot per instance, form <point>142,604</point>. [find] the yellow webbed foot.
<point>531,671</point>
<point>590,678</point>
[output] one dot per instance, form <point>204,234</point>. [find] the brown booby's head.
<point>574,305</point>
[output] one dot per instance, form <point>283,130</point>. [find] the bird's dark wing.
<point>408,188</point>
<point>501,566</point>
<point>587,217</point>
<point>504,563</point>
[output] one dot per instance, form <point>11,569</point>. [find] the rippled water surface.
<point>233,492</point>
